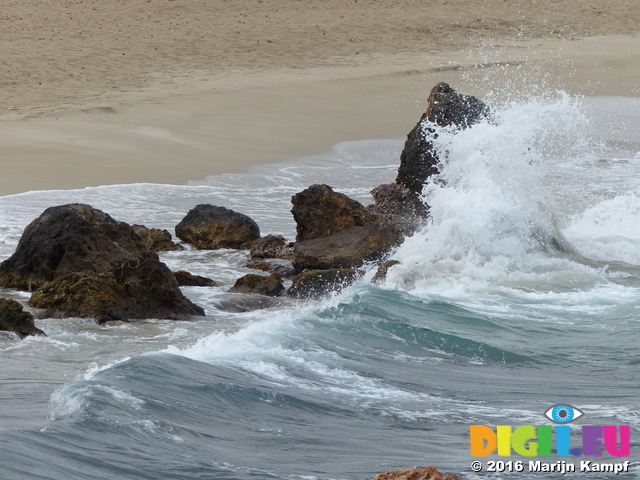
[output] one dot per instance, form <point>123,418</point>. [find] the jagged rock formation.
<point>445,108</point>
<point>337,232</point>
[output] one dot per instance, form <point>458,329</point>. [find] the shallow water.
<point>484,321</point>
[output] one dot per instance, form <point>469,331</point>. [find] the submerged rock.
<point>13,318</point>
<point>445,107</point>
<point>208,227</point>
<point>81,262</point>
<point>316,283</point>
<point>246,303</point>
<point>270,286</point>
<point>156,240</point>
<point>415,473</point>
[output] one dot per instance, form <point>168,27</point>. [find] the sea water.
<point>521,292</point>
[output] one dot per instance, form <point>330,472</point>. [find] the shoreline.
<point>187,127</point>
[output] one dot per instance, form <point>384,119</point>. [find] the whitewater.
<point>522,291</point>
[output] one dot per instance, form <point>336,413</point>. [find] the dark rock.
<point>270,286</point>
<point>68,239</point>
<point>398,208</point>
<point>320,212</point>
<point>446,107</point>
<point>14,319</point>
<point>415,473</point>
<point>347,248</point>
<point>272,246</point>
<point>282,268</point>
<point>186,279</point>
<point>208,227</point>
<point>316,283</point>
<point>133,291</point>
<point>396,200</point>
<point>335,231</point>
<point>84,263</point>
<point>156,240</point>
<point>381,273</point>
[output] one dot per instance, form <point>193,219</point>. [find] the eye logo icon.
<point>563,413</point>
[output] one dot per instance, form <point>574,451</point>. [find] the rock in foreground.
<point>81,262</point>
<point>14,319</point>
<point>68,239</point>
<point>135,291</point>
<point>208,227</point>
<point>415,473</point>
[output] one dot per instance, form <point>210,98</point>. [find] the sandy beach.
<point>167,91</point>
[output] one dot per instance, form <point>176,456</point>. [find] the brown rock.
<point>397,200</point>
<point>134,291</point>
<point>270,286</point>
<point>415,473</point>
<point>347,248</point>
<point>14,319</point>
<point>208,227</point>
<point>272,246</point>
<point>320,212</point>
<point>156,240</point>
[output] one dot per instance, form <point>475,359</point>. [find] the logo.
<point>540,440</point>
<point>563,413</point>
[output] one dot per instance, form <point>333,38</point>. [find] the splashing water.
<point>494,209</point>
